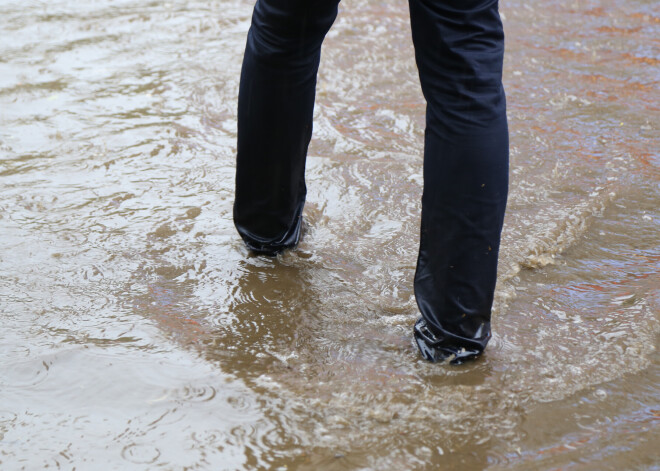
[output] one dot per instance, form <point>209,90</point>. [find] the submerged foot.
<point>432,349</point>
<point>273,245</point>
<point>265,249</point>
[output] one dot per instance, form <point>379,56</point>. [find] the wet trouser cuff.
<point>273,246</point>
<point>435,348</point>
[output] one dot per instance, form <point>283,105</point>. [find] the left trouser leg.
<point>459,46</point>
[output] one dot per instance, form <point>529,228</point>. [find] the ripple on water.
<point>209,438</point>
<point>239,435</point>
<point>140,454</point>
<point>198,393</point>
<point>27,374</point>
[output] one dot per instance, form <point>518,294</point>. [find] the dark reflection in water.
<point>139,333</point>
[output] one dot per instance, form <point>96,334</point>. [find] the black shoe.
<point>272,248</point>
<point>265,249</point>
<point>431,349</point>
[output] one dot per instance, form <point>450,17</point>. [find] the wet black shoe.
<point>431,348</point>
<point>266,249</point>
<point>271,247</point>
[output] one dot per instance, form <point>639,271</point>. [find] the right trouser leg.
<point>275,106</point>
<point>459,47</point>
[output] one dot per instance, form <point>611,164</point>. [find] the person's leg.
<point>275,106</point>
<point>459,47</point>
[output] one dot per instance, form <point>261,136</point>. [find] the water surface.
<point>138,333</point>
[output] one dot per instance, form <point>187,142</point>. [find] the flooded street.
<point>139,333</point>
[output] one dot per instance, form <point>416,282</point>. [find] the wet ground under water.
<point>138,333</point>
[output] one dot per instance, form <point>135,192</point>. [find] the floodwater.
<point>138,333</point>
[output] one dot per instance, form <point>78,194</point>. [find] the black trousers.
<point>459,47</point>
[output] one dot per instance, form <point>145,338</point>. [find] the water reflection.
<point>272,308</point>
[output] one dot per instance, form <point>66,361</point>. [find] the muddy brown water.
<point>138,333</point>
